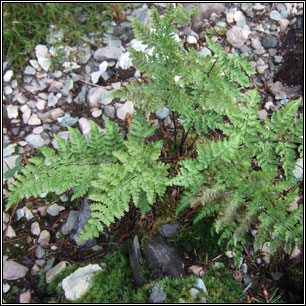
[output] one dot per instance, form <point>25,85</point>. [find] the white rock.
<point>41,51</point>
<point>256,44</point>
<point>35,229</point>
<point>10,233</point>
<point>95,76</point>
<point>28,213</point>
<point>191,40</point>
<point>127,108</point>
<point>34,120</point>
<point>6,217</point>
<point>238,16</point>
<point>96,113</point>
<point>229,254</point>
<point>45,63</point>
<point>266,251</point>
<point>299,171</point>
<point>258,7</point>
<point>29,70</point>
<point>35,64</point>
<point>261,69</point>
<point>8,75</point>
<point>76,284</point>
<point>12,111</point>
<point>55,86</point>
<point>55,270</point>
<point>52,99</point>
<point>38,130</point>
<point>21,98</point>
<point>84,125</point>
<point>229,17</point>
<point>103,66</point>
<point>26,116</point>
<point>283,23</point>
<point>6,288</point>
<point>10,161</point>
<point>275,15</point>
<point>124,61</point>
<point>237,36</point>
<point>19,213</point>
<point>295,252</point>
<point>8,90</point>
<point>41,104</point>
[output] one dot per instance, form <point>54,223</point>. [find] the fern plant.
<point>244,177</point>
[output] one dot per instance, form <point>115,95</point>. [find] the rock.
<point>205,11</point>
<point>20,98</point>
<point>96,113</point>
<point>26,115</point>
<point>277,276</point>
<point>51,115</point>
<point>276,88</point>
<point>55,270</point>
<point>13,270</point>
<point>230,17</point>
<point>83,217</point>
<point>266,251</point>
<point>108,52</point>
<point>169,229</point>
<point>70,223</point>
<point>298,172</point>
<point>52,100</point>
<point>238,16</point>
<point>162,113</point>
<point>94,96</point>
<point>295,252</point>
<point>163,258</point>
<point>39,252</point>
<point>109,111</point>
<point>269,41</point>
<point>196,270</point>
<point>283,23</point>
<point>6,287</point>
<point>127,108</point>
<point>237,36</point>
<point>67,120</point>
<point>124,61</point>
<point>106,97</point>
<point>84,125</point>
<point>35,269</point>
<point>261,69</point>
<point>55,86</point>
<point>9,150</point>
<point>199,285</point>
<point>270,106</point>
<point>8,90</point>
<point>10,233</point>
<point>229,254</point>
<point>10,161</point>
<point>134,260</point>
<point>29,70</point>
<point>44,239</point>
<point>34,120</point>
<point>35,229</point>
<point>35,140</point>
<point>275,15</point>
<point>191,40</point>
<point>76,284</point>
<point>25,297</point>
<point>194,293</point>
<point>8,75</point>
<point>256,44</point>
<point>157,295</point>
<point>54,210</point>
<point>95,76</point>
<point>12,111</point>
<point>41,51</point>
<point>85,54</point>
<point>38,130</point>
<point>205,52</point>
<point>40,104</point>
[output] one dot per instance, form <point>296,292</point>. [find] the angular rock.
<point>12,111</point>
<point>169,229</point>
<point>205,11</point>
<point>162,113</point>
<point>39,252</point>
<point>55,270</point>
<point>84,125</point>
<point>124,61</point>
<point>44,239</point>
<point>54,209</point>
<point>157,295</point>
<point>34,120</point>
<point>51,115</point>
<point>96,113</point>
<point>29,70</point>
<point>13,270</point>
<point>55,86</point>
<point>134,260</point>
<point>194,293</point>
<point>9,150</point>
<point>269,41</point>
<point>35,140</point>
<point>191,40</point>
<point>199,284</point>
<point>108,52</point>
<point>25,297</point>
<point>52,99</point>
<point>276,88</point>
<point>109,111</point>
<point>163,258</point>
<point>237,36</point>
<point>127,108</point>
<point>298,172</point>
<point>275,15</point>
<point>10,233</point>
<point>94,96</point>
<point>76,284</point>
<point>83,217</point>
<point>41,51</point>
<point>8,75</point>
<point>71,220</point>
<point>196,270</point>
<point>35,229</point>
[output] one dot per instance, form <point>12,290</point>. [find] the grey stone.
<point>237,36</point>
<point>10,233</point>
<point>298,172</point>
<point>84,55</point>
<point>162,113</point>
<point>8,75</point>
<point>199,284</point>
<point>52,100</point>
<point>163,258</point>
<point>51,115</point>
<point>77,283</point>
<point>35,140</point>
<point>169,229</point>
<point>269,41</point>
<point>276,88</point>
<point>106,98</point>
<point>44,238</point>
<point>125,61</point>
<point>142,14</point>
<point>39,252</point>
<point>83,217</point>
<point>194,293</point>
<point>68,120</point>
<point>94,96</point>
<point>108,52</point>
<point>54,209</point>
<point>8,90</point>
<point>55,86</point>
<point>70,223</point>
<point>35,229</point>
<point>84,125</point>
<point>6,288</point>
<point>109,111</point>
<point>126,108</point>
<point>275,15</point>
<point>29,70</point>
<point>204,12</point>
<point>55,270</point>
<point>34,120</point>
<point>13,270</point>
<point>157,295</point>
<point>277,276</point>
<point>134,260</point>
<point>9,150</point>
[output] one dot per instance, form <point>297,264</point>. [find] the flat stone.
<point>55,86</point>
<point>21,98</point>
<point>52,100</point>
<point>95,76</point>
<point>38,130</point>
<point>6,288</point>
<point>276,88</point>
<point>275,15</point>
<point>35,140</point>
<point>34,120</point>
<point>77,283</point>
<point>157,295</point>
<point>70,223</point>
<point>35,229</point>
<point>29,70</point>
<point>25,297</point>
<point>39,252</point>
<point>256,44</point>
<point>269,41</point>
<point>191,40</point>
<point>55,270</point>
<point>55,209</point>
<point>238,16</point>
<point>10,161</point>
<point>106,98</point>
<point>44,238</point>
<point>109,111</point>
<point>262,69</point>
<point>237,36</point>
<point>84,125</point>
<point>13,270</point>
<point>41,51</point>
<point>51,115</point>
<point>169,229</point>
<point>108,52</point>
<point>96,113</point>
<point>162,113</point>
<point>44,63</point>
<point>124,61</point>
<point>10,233</point>
<point>199,285</point>
<point>9,150</point>
<point>163,258</point>
<point>127,108</point>
<point>8,90</point>
<point>298,172</point>
<point>8,75</point>
<point>94,96</point>
<point>194,293</point>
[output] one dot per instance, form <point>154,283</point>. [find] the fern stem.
<point>174,119</point>
<point>212,67</point>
